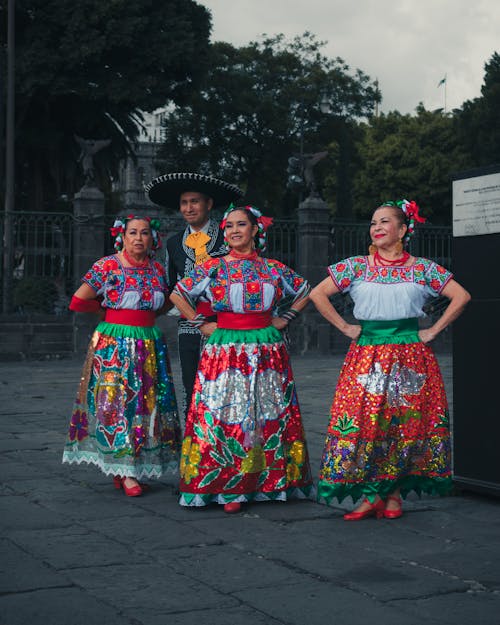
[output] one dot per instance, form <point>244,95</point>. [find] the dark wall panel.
<point>476,370</point>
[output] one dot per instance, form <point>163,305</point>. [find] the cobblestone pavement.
<point>76,551</point>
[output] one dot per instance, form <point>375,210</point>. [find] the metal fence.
<point>42,276</point>
<point>42,267</point>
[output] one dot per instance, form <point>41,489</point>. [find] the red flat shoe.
<point>375,509</point>
<point>118,481</point>
<point>232,507</point>
<point>131,491</point>
<point>394,514</point>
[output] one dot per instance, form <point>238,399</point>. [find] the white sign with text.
<point>476,205</point>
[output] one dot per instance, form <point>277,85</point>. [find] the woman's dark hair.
<point>251,217</point>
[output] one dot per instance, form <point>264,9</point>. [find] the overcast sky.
<point>409,45</point>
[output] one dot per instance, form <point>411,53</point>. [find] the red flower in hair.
<point>116,230</point>
<point>266,222</point>
<point>412,211</point>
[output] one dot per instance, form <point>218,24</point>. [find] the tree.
<point>258,105</point>
<point>479,119</point>
<point>88,68</point>
<point>408,156</point>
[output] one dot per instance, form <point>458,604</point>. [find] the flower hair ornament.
<point>119,226</point>
<point>263,223</point>
<point>410,209</point>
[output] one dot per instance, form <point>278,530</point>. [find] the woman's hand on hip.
<point>426,335</point>
<point>208,328</point>
<point>279,323</point>
<point>352,331</point>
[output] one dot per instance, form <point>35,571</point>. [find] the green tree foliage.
<point>408,156</point>
<point>479,119</point>
<point>255,104</point>
<point>87,68</point>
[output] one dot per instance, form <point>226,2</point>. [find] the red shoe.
<point>232,507</point>
<point>394,514</point>
<point>375,509</point>
<point>118,482</point>
<point>131,491</point>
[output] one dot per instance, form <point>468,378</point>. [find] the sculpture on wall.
<point>89,147</point>
<point>309,161</point>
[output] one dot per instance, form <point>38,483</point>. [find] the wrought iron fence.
<point>42,245</point>
<point>43,253</point>
<point>282,241</point>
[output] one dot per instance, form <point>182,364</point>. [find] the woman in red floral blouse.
<point>125,417</point>
<point>244,439</point>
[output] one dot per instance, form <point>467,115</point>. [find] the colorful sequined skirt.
<point>244,439</point>
<point>125,417</point>
<point>389,418</point>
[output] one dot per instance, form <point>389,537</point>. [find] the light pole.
<point>9,160</point>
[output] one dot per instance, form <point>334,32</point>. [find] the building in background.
<point>134,173</point>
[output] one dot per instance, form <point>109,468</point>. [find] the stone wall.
<point>35,336</point>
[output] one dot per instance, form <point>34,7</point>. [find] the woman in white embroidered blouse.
<point>388,432</point>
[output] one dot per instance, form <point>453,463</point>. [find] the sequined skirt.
<point>244,439</point>
<point>389,419</point>
<point>125,417</point>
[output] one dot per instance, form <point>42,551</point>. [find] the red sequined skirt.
<point>244,438</point>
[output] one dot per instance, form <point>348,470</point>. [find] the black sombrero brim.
<point>167,189</point>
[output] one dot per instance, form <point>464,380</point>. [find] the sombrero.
<point>167,189</point>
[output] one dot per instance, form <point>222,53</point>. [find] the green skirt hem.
<point>419,484</point>
<point>134,332</point>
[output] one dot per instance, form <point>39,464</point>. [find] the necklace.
<point>250,256</point>
<point>133,262</point>
<point>380,260</point>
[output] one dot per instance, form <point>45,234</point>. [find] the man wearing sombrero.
<point>195,195</point>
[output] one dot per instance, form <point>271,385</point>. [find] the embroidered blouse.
<point>388,293</point>
<point>132,288</point>
<point>243,286</point>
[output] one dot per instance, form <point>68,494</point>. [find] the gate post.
<point>88,246</point>
<point>313,257</point>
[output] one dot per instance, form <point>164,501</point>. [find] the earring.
<point>399,246</point>
<point>372,249</point>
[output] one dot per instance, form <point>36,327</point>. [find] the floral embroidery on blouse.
<point>109,278</point>
<point>242,285</point>
<point>424,272</point>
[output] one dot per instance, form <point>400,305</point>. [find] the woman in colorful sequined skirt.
<point>389,432</point>
<point>244,440</point>
<point>125,418</point>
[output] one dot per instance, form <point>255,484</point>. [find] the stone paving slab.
<point>64,606</point>
<point>22,572</point>
<point>317,603</point>
<point>65,548</point>
<point>452,609</point>
<point>146,589</point>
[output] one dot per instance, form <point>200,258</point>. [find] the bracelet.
<point>197,321</point>
<point>290,314</point>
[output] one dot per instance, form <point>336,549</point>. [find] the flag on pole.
<point>442,81</point>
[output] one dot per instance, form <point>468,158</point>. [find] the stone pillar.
<point>313,258</point>
<point>88,246</point>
